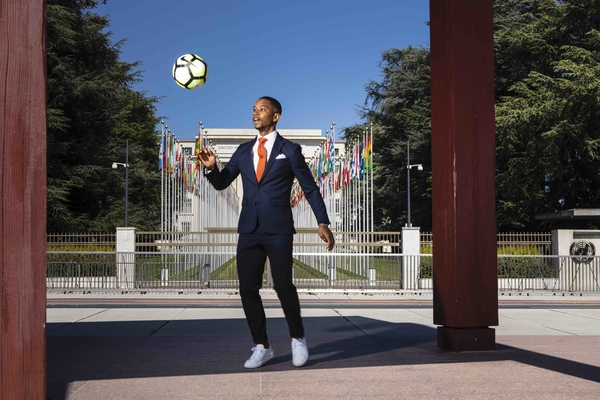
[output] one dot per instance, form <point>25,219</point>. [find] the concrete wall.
<point>576,273</point>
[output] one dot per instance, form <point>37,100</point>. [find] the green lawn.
<point>301,271</point>
<point>387,269</point>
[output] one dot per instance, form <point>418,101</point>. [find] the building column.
<point>465,277</point>
<point>23,200</point>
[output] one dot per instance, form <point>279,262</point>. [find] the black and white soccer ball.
<point>190,71</point>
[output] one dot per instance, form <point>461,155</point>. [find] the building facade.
<point>224,143</point>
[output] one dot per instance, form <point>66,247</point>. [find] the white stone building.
<point>225,141</point>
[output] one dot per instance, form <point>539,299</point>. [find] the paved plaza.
<point>362,346</point>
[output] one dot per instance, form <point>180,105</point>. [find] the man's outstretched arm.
<point>219,179</point>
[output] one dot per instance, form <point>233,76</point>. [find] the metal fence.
<point>525,243</point>
<point>361,260</point>
<point>518,243</point>
<point>78,270</point>
<point>81,241</point>
<point>530,243</point>
<point>347,271</point>
<point>203,270</point>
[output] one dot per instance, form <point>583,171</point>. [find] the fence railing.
<point>318,270</point>
<point>91,270</point>
<point>225,239</point>
<point>361,260</point>
<point>81,241</point>
<point>518,242</point>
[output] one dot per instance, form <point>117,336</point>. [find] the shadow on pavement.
<point>87,351</point>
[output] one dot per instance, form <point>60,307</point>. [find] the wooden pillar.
<point>22,199</point>
<point>465,280</point>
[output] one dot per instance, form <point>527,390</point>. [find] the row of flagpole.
<point>344,175</point>
<point>190,206</point>
<point>345,178</point>
<point>186,191</point>
<point>346,183</point>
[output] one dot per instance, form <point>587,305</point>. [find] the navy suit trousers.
<point>252,252</point>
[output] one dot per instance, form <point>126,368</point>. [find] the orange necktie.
<point>262,158</point>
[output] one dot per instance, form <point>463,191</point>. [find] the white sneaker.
<point>299,352</point>
<point>259,357</point>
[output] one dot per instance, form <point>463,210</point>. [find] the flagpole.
<point>366,208</point>
<point>162,180</point>
<point>126,181</point>
<point>371,167</point>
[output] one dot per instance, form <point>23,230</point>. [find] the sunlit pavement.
<point>362,345</point>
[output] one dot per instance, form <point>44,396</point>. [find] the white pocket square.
<point>280,156</point>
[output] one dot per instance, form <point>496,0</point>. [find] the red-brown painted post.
<point>23,199</point>
<point>465,280</point>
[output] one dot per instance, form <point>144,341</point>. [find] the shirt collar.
<point>270,137</point>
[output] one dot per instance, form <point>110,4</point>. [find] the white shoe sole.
<point>267,358</point>
<point>300,363</point>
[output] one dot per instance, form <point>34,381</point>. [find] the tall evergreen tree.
<point>548,110</point>
<point>399,108</point>
<point>92,111</point>
<point>547,74</point>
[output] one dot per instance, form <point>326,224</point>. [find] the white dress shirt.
<point>268,146</point>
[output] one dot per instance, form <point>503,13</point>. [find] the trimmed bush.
<point>518,267</point>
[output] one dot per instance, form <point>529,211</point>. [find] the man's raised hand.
<point>207,158</point>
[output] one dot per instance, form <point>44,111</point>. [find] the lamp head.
<point>420,167</point>
<point>114,165</point>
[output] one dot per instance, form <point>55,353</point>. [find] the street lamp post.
<point>115,165</point>
<point>408,167</point>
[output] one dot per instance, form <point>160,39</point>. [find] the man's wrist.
<point>323,223</point>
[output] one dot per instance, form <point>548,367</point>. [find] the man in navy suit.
<point>268,165</point>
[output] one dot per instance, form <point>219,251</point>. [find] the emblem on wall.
<point>582,248</point>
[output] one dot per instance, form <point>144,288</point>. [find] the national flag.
<point>370,151</point>
<point>361,154</point>
<point>177,161</point>
<point>172,156</point>
<point>161,153</point>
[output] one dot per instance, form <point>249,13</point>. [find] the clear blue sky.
<point>314,56</point>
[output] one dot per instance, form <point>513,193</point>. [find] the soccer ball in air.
<point>190,71</point>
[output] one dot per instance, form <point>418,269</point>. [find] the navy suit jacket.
<point>268,203</point>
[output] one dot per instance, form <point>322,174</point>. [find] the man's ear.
<point>276,117</point>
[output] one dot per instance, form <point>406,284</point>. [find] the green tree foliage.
<point>92,110</point>
<point>399,108</point>
<point>547,73</point>
<point>547,110</point>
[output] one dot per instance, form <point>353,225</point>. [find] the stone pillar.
<point>126,258</point>
<point>411,248</point>
<point>465,276</point>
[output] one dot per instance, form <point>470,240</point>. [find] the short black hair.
<point>274,102</point>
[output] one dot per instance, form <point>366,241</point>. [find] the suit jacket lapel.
<point>248,160</point>
<point>275,151</point>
